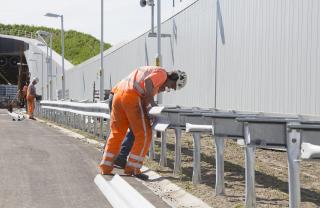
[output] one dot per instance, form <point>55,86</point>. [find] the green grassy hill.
<point>78,46</point>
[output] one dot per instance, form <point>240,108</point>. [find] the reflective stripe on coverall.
<point>129,110</point>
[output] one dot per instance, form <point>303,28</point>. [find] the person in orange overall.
<point>131,100</point>
<point>31,95</point>
<point>24,94</point>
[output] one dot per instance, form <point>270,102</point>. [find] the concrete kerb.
<point>169,192</point>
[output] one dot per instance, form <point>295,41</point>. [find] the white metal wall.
<point>269,61</point>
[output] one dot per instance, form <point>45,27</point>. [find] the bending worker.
<point>126,145</point>
<point>132,97</point>
<point>31,95</point>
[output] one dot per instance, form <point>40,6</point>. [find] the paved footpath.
<point>42,167</point>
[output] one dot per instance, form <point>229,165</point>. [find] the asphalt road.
<point>41,167</point>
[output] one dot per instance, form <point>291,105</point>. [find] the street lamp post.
<point>62,51</point>
<point>101,70</point>
<point>101,54</point>
<point>158,56</point>
<point>143,3</point>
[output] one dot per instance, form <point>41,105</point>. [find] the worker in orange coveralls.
<point>24,94</point>
<point>131,100</point>
<point>31,95</point>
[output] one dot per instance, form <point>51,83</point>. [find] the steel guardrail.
<point>296,134</point>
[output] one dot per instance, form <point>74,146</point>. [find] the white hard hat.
<point>182,80</point>
<point>35,79</point>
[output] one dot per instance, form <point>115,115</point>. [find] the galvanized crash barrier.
<point>223,125</point>
<point>280,132</point>
<point>78,115</point>
<point>258,130</point>
<point>300,136</point>
<point>171,118</point>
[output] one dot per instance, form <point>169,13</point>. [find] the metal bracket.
<point>154,35</point>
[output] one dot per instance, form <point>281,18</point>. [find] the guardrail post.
<point>163,153</point>
<point>101,129</point>
<point>89,124</point>
<point>177,152</point>
<point>151,149</point>
<point>196,176</point>
<point>59,117</point>
<point>293,150</point>
<point>78,122</point>
<point>219,141</point>
<point>68,119</point>
<point>84,120</point>
<point>95,126</point>
<point>73,120</point>
<point>250,195</point>
<point>64,118</point>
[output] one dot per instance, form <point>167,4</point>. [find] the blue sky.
<point>123,19</point>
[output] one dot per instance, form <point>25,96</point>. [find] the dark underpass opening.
<point>14,71</point>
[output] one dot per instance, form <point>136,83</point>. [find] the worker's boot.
<point>105,169</point>
<point>135,172</point>
<point>120,162</point>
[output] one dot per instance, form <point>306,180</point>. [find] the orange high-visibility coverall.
<point>31,95</point>
<point>128,109</point>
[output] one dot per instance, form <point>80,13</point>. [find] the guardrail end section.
<point>156,110</point>
<point>310,151</point>
<point>121,194</point>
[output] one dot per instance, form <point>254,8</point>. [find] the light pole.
<point>101,54</point>
<point>143,3</point>
<point>48,60</point>
<point>158,56</point>
<point>36,53</point>
<point>62,51</point>
<point>101,71</point>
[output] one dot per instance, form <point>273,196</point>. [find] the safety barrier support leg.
<point>196,176</point>
<point>250,193</point>
<point>220,190</point>
<point>151,149</point>
<point>95,126</point>
<point>101,129</point>
<point>177,152</point>
<point>163,153</point>
<point>293,150</point>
